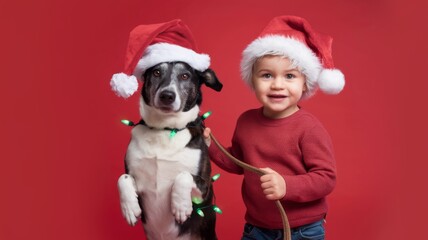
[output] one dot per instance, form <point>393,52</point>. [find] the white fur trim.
<point>124,85</point>
<point>165,52</point>
<point>299,54</point>
<point>331,81</point>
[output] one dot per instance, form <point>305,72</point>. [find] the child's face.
<point>277,85</point>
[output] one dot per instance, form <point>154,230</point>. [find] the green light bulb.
<point>200,212</point>
<point>217,209</point>
<point>127,122</point>
<point>215,177</point>
<point>197,200</point>
<point>172,133</point>
<point>207,114</point>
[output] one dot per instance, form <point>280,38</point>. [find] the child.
<point>287,63</point>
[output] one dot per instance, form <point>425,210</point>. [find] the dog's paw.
<point>131,210</point>
<point>182,210</point>
<point>181,202</point>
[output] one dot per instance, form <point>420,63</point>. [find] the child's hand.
<point>207,137</point>
<point>273,184</point>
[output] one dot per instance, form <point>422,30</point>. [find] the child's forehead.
<point>272,56</point>
<point>269,59</point>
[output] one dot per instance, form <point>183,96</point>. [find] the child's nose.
<point>278,83</point>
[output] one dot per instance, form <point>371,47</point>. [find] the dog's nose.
<point>167,97</point>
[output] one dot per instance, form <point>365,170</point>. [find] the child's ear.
<point>209,78</point>
<point>305,87</point>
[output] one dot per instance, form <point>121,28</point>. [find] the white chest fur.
<point>154,159</point>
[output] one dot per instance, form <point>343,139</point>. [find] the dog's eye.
<point>184,76</point>
<point>156,73</point>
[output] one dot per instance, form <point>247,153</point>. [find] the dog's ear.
<point>210,79</point>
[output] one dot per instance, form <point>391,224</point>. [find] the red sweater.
<point>297,147</point>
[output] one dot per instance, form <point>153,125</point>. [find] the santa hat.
<point>308,50</point>
<point>152,44</point>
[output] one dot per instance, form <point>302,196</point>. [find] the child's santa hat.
<point>152,44</point>
<point>307,49</point>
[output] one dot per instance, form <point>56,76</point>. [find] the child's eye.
<point>290,76</point>
<point>267,75</point>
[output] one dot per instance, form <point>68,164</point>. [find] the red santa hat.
<point>308,50</point>
<point>152,44</point>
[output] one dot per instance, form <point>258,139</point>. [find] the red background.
<point>63,145</point>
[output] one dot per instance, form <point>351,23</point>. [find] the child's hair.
<point>309,51</point>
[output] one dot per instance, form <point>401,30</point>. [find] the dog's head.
<point>172,90</point>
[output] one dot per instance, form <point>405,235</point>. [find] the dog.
<point>168,172</point>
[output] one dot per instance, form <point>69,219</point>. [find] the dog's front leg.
<point>129,199</point>
<point>181,196</point>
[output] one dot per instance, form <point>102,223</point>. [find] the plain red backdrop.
<point>63,145</point>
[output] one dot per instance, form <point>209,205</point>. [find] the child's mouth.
<point>277,96</point>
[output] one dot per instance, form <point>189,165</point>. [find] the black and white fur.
<point>164,173</point>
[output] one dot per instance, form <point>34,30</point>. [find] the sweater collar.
<point>277,121</point>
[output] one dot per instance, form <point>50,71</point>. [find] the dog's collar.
<point>199,121</point>
<point>173,131</point>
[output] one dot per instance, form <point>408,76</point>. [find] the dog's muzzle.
<point>167,101</point>
<point>167,97</point>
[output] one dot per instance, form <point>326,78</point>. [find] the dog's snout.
<point>167,97</point>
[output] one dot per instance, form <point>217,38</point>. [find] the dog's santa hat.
<point>152,44</point>
<point>308,50</point>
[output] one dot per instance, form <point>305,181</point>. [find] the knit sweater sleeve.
<point>320,178</point>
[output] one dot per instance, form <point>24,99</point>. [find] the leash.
<point>260,172</point>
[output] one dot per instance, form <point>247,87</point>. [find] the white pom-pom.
<point>331,81</point>
<point>124,85</point>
